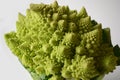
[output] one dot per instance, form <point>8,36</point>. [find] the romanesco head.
<point>56,43</point>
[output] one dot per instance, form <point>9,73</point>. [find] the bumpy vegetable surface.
<point>56,43</point>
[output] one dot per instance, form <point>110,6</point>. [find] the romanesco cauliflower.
<point>56,43</point>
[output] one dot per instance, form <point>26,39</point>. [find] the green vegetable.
<point>55,43</point>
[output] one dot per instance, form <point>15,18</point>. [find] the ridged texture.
<point>57,43</point>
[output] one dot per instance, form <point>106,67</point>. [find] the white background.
<point>106,12</point>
